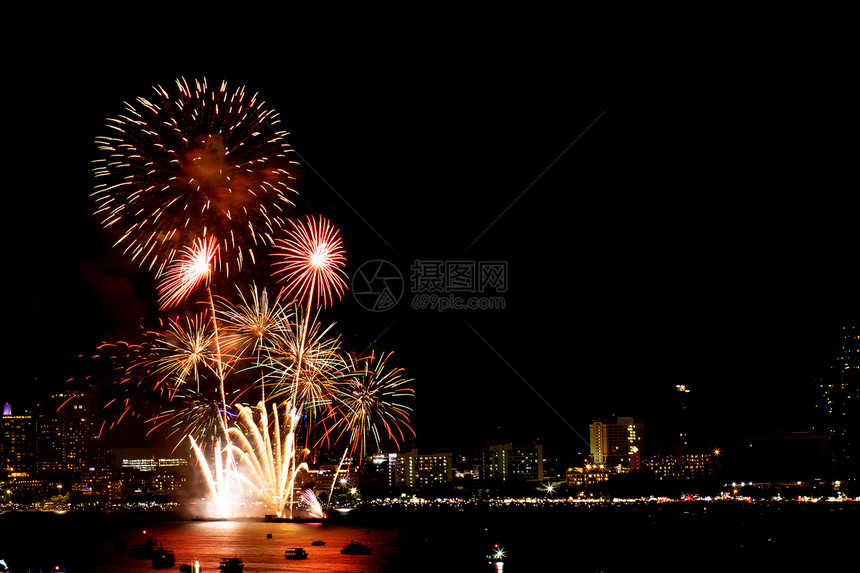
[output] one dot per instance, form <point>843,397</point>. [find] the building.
<point>66,432</point>
<point>839,406</point>
<point>141,470</point>
<point>147,459</point>
<point>617,442</point>
<point>587,474</point>
<point>679,466</point>
<point>682,393</point>
<point>413,471</point>
<point>17,444</point>
<point>510,462</point>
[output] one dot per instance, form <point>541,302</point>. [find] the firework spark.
<point>187,272</point>
<point>253,325</point>
<point>200,161</point>
<point>369,403</point>
<point>314,507</point>
<point>180,352</point>
<point>305,363</point>
<point>273,464</point>
<point>311,263</point>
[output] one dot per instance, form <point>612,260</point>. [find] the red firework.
<point>311,263</point>
<point>192,267</point>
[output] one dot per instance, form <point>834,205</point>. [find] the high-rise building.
<point>66,432</point>
<point>679,466</point>
<point>682,429</point>
<point>504,462</point>
<point>839,406</point>
<point>17,441</point>
<point>617,442</point>
<point>415,471</point>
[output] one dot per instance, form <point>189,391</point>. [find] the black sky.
<point>685,223</point>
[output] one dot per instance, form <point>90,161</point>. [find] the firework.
<point>311,261</point>
<point>305,363</point>
<point>129,380</point>
<point>187,272</point>
<point>369,400</point>
<point>198,182</point>
<point>198,162</point>
<point>273,464</point>
<point>310,499</point>
<point>251,326</point>
<point>222,480</point>
<point>188,412</point>
<point>181,352</point>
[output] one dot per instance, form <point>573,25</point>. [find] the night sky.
<point>692,223</point>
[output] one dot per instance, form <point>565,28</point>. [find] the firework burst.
<point>305,363</point>
<point>187,272</point>
<point>311,260</point>
<point>181,352</point>
<point>369,401</point>
<point>186,165</point>
<point>251,326</point>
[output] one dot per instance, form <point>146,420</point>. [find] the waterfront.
<point>695,536</point>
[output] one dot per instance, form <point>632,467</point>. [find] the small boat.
<point>318,542</point>
<point>144,550</point>
<point>496,555</point>
<point>356,548</point>
<point>190,568</point>
<point>295,553</point>
<point>231,565</point>
<point>162,558</point>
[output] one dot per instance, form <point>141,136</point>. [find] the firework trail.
<point>200,162</point>
<point>273,463</point>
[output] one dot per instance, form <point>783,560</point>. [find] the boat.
<point>496,555</point>
<point>295,553</point>
<point>190,567</point>
<point>356,548</point>
<point>318,542</point>
<point>162,558</point>
<point>231,565</point>
<point>144,550</point>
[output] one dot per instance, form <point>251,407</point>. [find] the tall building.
<point>682,430</point>
<point>17,444</point>
<point>504,462</point>
<point>679,466</point>
<point>415,471</point>
<point>617,442</point>
<point>839,407</point>
<point>66,432</point>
